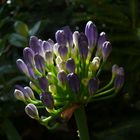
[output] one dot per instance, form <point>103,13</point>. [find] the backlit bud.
<point>29,91</point>
<point>62,77</point>
<point>32,111</point>
<point>68,35</point>
<point>75,38</point>
<point>60,37</point>
<point>49,57</point>
<point>19,95</point>
<point>63,51</point>
<point>70,65</point>
<point>83,46</point>
<point>74,82</point>
<point>28,55</point>
<point>40,63</point>
<point>93,85</point>
<point>101,40</point>
<point>43,83</point>
<point>106,50</point>
<point>91,33</point>
<point>22,67</point>
<point>34,44</point>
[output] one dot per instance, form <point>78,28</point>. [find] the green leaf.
<point>35,28</point>
<point>10,131</point>
<point>21,28</point>
<point>17,40</point>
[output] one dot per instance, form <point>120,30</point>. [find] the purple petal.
<point>60,37</point>
<point>74,82</point>
<point>43,83</point>
<point>93,85</point>
<point>68,35</point>
<point>47,99</point>
<point>63,50</point>
<point>83,46</point>
<point>34,44</point>
<point>91,33</point>
<point>101,40</point>
<point>70,65</point>
<point>62,77</point>
<point>32,111</point>
<point>106,50</point>
<point>28,55</point>
<point>22,67</point>
<point>40,63</point>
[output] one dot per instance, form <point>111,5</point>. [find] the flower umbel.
<point>65,74</point>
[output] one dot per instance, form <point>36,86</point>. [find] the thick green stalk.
<point>81,122</point>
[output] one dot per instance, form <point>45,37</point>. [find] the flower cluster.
<point>65,74</point>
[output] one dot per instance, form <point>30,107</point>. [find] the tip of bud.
<point>19,95</point>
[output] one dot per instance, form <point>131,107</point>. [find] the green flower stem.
<point>100,69</point>
<point>108,85</point>
<point>103,93</point>
<point>81,122</point>
<point>106,97</point>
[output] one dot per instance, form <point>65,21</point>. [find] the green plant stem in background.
<point>81,122</point>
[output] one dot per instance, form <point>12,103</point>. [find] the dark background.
<point>113,119</point>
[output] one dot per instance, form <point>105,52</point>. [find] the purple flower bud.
<point>47,99</point>
<point>75,38</point>
<point>40,42</point>
<point>115,69</point>
<point>83,46</point>
<point>119,79</point>
<point>22,67</point>
<point>55,48</point>
<point>60,37</point>
<point>34,44</point>
<point>31,72</point>
<point>19,95</point>
<point>28,55</point>
<point>32,111</point>
<point>74,82</point>
<point>68,35</point>
<point>91,33</point>
<point>62,66</point>
<point>63,51</point>
<point>29,91</point>
<point>101,40</point>
<point>49,57</point>
<point>51,42</point>
<point>62,77</point>
<point>40,63</point>
<point>106,50</point>
<point>70,65</point>
<point>93,85</point>
<point>43,83</point>
<point>47,46</point>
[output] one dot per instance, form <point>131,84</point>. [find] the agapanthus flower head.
<point>65,74</point>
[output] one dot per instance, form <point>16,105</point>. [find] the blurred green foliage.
<point>114,119</point>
